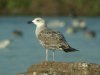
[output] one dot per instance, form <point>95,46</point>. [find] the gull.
<point>17,32</point>
<point>50,39</point>
<point>4,43</point>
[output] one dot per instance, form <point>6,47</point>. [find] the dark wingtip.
<point>70,50</point>
<point>29,22</point>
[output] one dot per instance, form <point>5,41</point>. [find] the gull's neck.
<point>39,28</point>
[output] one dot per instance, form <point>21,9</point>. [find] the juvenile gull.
<point>50,39</point>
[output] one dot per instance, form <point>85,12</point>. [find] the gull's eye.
<point>38,20</point>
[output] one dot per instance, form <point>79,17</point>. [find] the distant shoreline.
<point>19,15</point>
<point>50,7</point>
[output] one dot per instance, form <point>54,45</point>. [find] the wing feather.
<point>50,38</point>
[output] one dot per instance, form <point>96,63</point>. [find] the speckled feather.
<point>53,40</point>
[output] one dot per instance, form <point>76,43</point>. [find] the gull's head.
<point>38,21</point>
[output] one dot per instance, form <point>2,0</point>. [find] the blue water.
<point>26,50</point>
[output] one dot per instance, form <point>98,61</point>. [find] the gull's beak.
<point>29,22</point>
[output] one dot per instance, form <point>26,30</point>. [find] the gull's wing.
<point>52,39</point>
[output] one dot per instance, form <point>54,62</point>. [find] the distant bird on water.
<point>50,39</point>
<point>17,32</point>
<point>4,43</point>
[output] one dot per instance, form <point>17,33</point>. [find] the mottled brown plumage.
<point>53,40</point>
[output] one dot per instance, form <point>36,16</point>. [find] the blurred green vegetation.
<point>50,7</point>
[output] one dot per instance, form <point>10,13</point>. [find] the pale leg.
<point>53,55</point>
<point>46,54</point>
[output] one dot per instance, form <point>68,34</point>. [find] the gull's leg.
<point>53,55</point>
<point>46,54</point>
